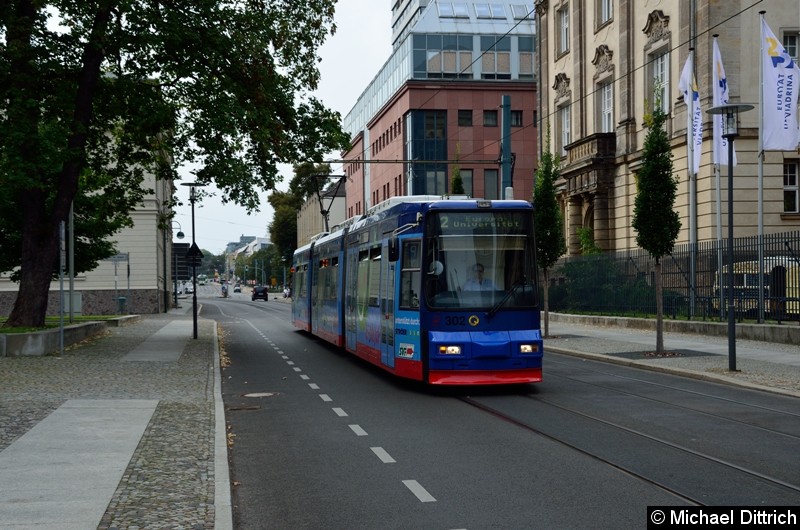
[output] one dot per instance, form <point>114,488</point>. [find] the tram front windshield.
<point>480,260</point>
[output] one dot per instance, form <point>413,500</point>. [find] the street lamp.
<point>283,260</point>
<point>194,252</point>
<point>179,235</point>
<point>730,130</point>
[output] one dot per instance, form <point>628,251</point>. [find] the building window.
<point>563,136</point>
<point>490,10</point>
<point>562,16</point>
<point>790,42</point>
<point>516,118</point>
<point>526,50</point>
<point>659,80</point>
<point>605,104</point>
<point>605,11</point>
<point>442,56</point>
<point>791,190</point>
<point>466,181</point>
<point>452,10</point>
<point>490,118</point>
<point>490,184</point>
<point>522,11</point>
<point>496,58</point>
<point>436,182</point>
<point>465,118</point>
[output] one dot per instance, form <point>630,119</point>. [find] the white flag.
<point>687,84</point>
<point>780,77</point>
<point>719,97</point>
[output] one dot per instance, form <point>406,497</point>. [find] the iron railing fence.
<point>623,283</point>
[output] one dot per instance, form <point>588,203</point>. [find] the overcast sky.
<point>350,59</point>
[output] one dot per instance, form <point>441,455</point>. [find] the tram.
<point>437,290</point>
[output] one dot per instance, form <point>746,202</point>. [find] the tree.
<point>283,228</point>
<point>548,222</point>
<point>588,245</point>
<point>456,182</point>
<point>124,88</point>
<point>654,218</point>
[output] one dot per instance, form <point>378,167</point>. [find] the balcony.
<point>589,163</point>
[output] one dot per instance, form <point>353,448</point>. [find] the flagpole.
<point>690,140</point>
<point>718,184</point>
<point>761,173</point>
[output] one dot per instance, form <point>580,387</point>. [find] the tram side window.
<point>363,278</point>
<point>329,278</point>
<point>300,279</point>
<point>410,276</point>
<point>374,276</point>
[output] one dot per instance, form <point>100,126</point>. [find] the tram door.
<point>387,307</point>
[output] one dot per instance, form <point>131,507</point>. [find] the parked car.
<point>237,288</point>
<point>260,292</point>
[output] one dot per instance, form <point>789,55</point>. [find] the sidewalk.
<point>123,431</point>
<point>769,366</point>
<point>128,430</point>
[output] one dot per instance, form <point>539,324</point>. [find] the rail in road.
<point>715,445</point>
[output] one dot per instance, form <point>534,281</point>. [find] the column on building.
<point>601,221</point>
<point>575,212</point>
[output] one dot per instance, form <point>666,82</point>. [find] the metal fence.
<point>695,281</point>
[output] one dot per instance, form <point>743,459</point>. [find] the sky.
<point>350,59</point>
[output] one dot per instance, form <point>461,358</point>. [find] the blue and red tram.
<point>437,290</point>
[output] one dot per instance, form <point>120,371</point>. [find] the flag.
<point>687,84</point>
<point>720,96</point>
<point>780,78</point>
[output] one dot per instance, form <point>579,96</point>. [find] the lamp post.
<point>730,130</point>
<point>283,260</point>
<point>179,235</point>
<point>194,253</point>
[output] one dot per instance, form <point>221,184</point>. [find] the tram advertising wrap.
<point>437,290</point>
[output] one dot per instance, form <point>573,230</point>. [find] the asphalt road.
<point>320,439</point>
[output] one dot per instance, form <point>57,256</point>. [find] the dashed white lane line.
<point>358,430</point>
<point>297,369</point>
<point>290,363</point>
<point>313,386</point>
<point>381,453</point>
<point>325,397</point>
<point>420,492</point>
<point>339,412</point>
<point>305,377</point>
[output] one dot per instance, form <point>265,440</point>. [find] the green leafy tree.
<point>95,95</point>
<point>549,223</point>
<point>654,218</point>
<point>587,242</point>
<point>456,182</point>
<point>211,263</point>
<point>309,180</point>
<point>283,228</point>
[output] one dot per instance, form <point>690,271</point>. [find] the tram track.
<point>696,409</point>
<point>622,464</point>
<point>704,446</point>
<point>527,426</point>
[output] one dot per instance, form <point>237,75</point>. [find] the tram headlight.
<point>528,348</point>
<point>449,350</point>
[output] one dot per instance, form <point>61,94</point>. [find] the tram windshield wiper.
<point>519,283</point>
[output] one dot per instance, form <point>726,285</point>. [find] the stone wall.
<point>99,302</point>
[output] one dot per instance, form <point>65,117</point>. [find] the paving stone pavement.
<point>170,480</point>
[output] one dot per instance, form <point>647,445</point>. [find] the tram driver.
<point>477,282</point>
